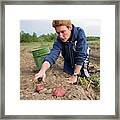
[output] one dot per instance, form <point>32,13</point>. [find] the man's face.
<point>63,32</point>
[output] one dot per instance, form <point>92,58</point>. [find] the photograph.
<point>60,59</point>
<point>60,55</point>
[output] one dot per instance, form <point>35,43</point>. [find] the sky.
<point>90,27</point>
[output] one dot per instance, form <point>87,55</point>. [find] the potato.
<point>39,87</point>
<point>58,91</point>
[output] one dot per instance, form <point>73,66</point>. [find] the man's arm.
<point>44,68</point>
<point>77,69</point>
<point>49,60</point>
<point>73,79</point>
<point>81,48</point>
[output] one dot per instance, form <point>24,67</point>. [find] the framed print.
<point>60,59</point>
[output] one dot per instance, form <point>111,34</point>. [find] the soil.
<point>55,77</point>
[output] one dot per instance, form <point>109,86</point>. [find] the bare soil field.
<point>85,89</point>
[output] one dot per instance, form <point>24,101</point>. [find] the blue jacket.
<point>74,52</point>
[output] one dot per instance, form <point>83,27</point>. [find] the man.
<point>72,43</point>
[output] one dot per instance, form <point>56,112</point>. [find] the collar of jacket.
<point>74,33</point>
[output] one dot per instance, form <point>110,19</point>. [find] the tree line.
<point>26,37</point>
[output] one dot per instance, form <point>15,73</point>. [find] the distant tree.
<point>93,38</point>
<point>25,37</point>
<point>34,37</point>
<point>47,38</point>
<point>53,36</point>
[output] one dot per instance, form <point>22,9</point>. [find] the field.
<point>85,89</point>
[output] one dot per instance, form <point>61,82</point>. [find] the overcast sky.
<point>91,27</point>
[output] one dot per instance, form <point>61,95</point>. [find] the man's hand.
<point>41,74</point>
<point>72,79</point>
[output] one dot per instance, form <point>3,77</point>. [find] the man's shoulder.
<point>79,29</point>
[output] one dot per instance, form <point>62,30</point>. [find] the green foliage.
<point>26,37</point>
<point>93,81</point>
<point>34,37</point>
<point>92,38</point>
